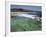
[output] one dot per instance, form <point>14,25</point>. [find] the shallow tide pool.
<point>24,24</point>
